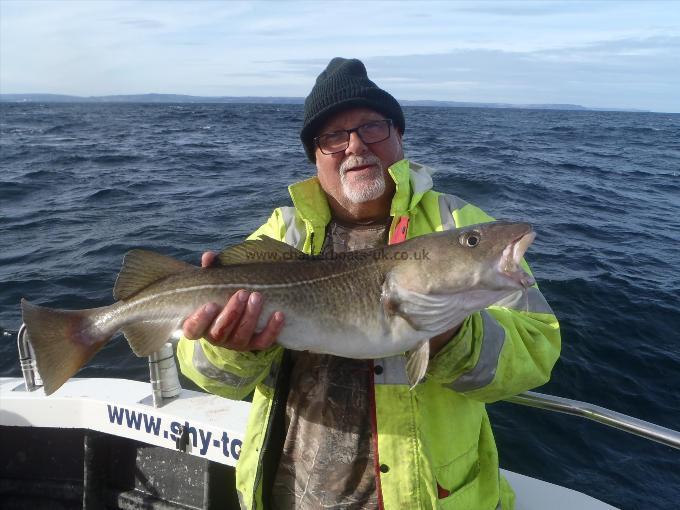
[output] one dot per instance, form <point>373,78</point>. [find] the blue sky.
<point>602,53</point>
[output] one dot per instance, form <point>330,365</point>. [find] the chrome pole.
<point>163,375</point>
<point>599,414</point>
<point>32,379</point>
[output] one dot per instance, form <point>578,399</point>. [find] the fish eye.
<point>470,239</point>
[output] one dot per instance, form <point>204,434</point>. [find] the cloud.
<point>479,51</point>
<point>145,24</point>
<point>613,73</point>
<point>648,46</point>
<point>530,8</point>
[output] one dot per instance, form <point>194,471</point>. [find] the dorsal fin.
<point>264,249</point>
<point>141,268</point>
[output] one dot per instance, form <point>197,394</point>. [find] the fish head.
<point>485,256</point>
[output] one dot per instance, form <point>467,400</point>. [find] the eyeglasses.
<point>338,141</point>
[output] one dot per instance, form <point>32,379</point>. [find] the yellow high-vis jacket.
<point>434,444</point>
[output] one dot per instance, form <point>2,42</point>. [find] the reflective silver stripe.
<point>204,367</point>
<point>421,177</point>
<point>448,204</point>
<point>485,369</point>
<point>296,233</point>
<point>530,301</point>
<point>392,371</point>
<point>241,500</point>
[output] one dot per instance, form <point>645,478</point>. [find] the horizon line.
<point>24,97</point>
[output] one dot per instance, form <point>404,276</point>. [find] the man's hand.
<point>233,325</point>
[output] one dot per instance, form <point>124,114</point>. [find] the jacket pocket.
<point>459,480</point>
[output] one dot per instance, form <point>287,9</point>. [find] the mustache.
<point>355,161</point>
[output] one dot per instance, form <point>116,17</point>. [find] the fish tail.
<point>62,340</point>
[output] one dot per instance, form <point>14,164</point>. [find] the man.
<point>329,432</point>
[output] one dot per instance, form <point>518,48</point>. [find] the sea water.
<point>81,184</point>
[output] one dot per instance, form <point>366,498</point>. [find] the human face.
<point>358,174</point>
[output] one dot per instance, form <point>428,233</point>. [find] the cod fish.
<point>364,304</point>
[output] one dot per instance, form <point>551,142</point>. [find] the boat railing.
<point>599,414</point>
<point>165,386</point>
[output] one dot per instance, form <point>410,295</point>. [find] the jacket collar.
<point>411,179</point>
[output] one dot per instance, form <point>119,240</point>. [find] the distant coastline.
<point>181,98</point>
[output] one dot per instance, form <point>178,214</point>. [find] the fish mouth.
<point>512,256</point>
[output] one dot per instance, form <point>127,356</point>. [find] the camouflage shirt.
<point>327,459</point>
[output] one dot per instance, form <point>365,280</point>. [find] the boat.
<point>103,443</point>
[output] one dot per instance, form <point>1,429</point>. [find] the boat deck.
<point>138,455</point>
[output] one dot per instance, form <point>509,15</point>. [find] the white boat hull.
<point>214,427</point>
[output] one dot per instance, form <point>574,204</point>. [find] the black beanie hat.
<point>344,84</point>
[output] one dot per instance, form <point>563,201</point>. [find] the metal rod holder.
<point>165,385</point>
<point>32,379</point>
<point>599,414</point>
<point>163,374</point>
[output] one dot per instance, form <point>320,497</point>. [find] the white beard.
<point>369,187</point>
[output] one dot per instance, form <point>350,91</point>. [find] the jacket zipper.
<point>281,388</point>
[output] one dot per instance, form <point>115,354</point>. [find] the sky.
<point>603,53</point>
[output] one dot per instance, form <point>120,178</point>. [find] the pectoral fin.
<point>429,313</point>
<point>417,362</point>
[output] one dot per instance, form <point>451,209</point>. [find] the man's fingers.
<point>208,258</point>
<point>196,324</point>
<point>233,326</point>
<point>267,337</point>
<point>243,333</point>
<point>223,325</point>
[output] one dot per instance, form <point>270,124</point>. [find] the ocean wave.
<point>110,194</point>
<point>65,128</point>
<point>114,159</point>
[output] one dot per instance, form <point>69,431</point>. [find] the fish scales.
<point>367,304</point>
